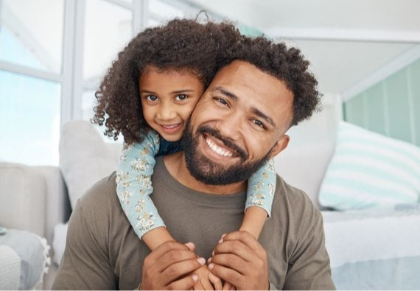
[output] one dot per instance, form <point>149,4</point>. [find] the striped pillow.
<point>370,170</point>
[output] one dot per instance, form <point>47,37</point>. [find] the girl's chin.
<point>171,137</point>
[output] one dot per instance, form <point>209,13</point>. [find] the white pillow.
<point>370,170</point>
<point>85,158</point>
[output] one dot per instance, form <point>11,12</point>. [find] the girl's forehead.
<point>171,72</point>
<point>168,70</point>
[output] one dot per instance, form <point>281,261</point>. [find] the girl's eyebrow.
<point>147,91</point>
<point>173,92</point>
<point>183,91</point>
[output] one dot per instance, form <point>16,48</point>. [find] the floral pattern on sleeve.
<point>261,187</point>
<point>134,184</point>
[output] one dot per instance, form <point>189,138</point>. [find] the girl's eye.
<point>151,98</point>
<point>259,123</point>
<point>181,97</point>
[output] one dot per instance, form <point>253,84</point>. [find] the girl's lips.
<point>171,128</point>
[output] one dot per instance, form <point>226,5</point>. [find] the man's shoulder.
<point>294,201</point>
<point>101,197</point>
<point>294,195</point>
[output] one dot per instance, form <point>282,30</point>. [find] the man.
<point>238,124</point>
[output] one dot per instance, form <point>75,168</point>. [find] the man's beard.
<point>208,172</point>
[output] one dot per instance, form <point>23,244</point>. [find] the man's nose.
<point>231,126</point>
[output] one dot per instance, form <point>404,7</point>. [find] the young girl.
<point>148,95</point>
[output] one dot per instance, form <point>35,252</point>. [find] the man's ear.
<point>280,145</point>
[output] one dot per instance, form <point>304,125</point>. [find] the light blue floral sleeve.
<point>134,184</point>
<point>261,187</point>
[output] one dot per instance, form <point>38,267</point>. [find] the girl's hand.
<point>228,286</point>
<point>206,280</point>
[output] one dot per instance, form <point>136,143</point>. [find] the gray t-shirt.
<point>103,252</point>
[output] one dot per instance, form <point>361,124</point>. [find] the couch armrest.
<point>22,198</point>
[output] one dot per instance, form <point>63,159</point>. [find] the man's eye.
<point>221,100</point>
<point>151,98</point>
<point>181,97</point>
<point>259,123</point>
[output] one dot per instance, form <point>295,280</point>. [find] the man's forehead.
<point>237,68</point>
<point>241,75</point>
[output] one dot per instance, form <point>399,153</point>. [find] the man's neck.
<point>177,168</point>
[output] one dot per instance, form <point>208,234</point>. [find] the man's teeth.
<point>217,149</point>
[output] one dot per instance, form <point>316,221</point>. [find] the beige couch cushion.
<point>85,158</point>
<point>22,197</point>
<point>9,268</point>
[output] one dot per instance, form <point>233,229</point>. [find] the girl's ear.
<point>280,145</point>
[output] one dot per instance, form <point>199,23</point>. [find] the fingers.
<point>246,238</point>
<point>190,245</point>
<point>207,285</point>
<point>240,260</point>
<point>170,266</point>
<point>184,283</point>
<point>216,281</point>
<point>174,256</point>
<point>163,249</point>
<point>177,270</point>
<point>226,274</point>
<point>237,248</point>
<point>232,261</point>
<point>228,286</point>
<point>242,244</point>
<point>198,285</point>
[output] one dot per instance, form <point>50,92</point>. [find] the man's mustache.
<point>204,129</point>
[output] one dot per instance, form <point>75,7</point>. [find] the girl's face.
<point>168,98</point>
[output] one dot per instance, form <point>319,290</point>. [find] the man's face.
<point>238,124</point>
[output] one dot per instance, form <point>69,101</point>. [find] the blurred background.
<point>53,54</point>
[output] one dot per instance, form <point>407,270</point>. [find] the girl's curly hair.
<point>180,44</point>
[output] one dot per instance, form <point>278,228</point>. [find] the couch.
<point>32,201</point>
<point>369,249</point>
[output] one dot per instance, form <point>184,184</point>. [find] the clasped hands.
<point>238,262</point>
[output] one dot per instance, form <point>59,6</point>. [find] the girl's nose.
<point>166,112</point>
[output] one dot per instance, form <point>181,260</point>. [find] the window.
<point>53,56</point>
<point>30,115</point>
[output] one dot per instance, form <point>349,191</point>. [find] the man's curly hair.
<point>180,44</point>
<point>285,64</point>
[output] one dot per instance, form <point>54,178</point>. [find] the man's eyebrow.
<point>263,115</point>
<point>225,92</point>
<point>254,110</point>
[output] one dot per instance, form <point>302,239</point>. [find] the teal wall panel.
<point>415,96</point>
<point>355,111</point>
<point>375,103</point>
<point>391,107</point>
<point>398,106</point>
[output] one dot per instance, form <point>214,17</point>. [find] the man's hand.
<point>240,260</point>
<point>170,267</point>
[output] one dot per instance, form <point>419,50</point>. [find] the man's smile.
<point>220,150</point>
